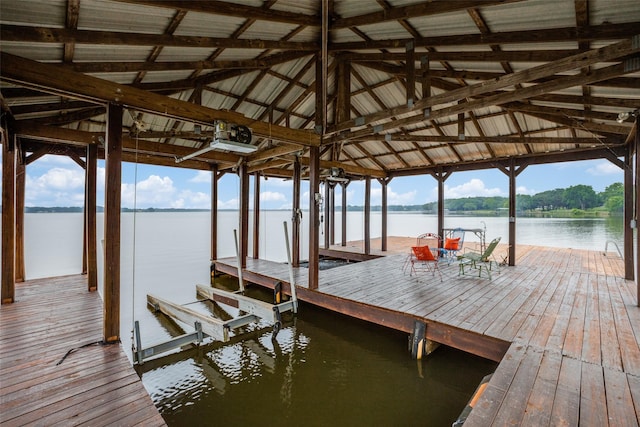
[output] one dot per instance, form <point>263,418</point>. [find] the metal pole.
<point>292,281</point>
<point>240,281</point>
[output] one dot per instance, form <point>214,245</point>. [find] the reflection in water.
<point>322,369</point>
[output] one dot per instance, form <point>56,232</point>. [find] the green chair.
<point>478,260</point>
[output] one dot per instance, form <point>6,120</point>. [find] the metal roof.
<point>258,58</point>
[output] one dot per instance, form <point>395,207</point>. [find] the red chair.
<point>422,258</point>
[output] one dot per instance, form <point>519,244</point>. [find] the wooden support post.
<point>256,215</point>
<point>343,95</point>
<point>326,214</point>
<point>296,214</point>
<point>344,213</point>
<point>385,212</point>
<point>332,214</point>
<point>112,207</point>
<point>637,188</point>
<point>244,214</point>
<point>426,81</point>
<point>90,203</point>
<point>461,124</point>
<point>314,215</point>
<point>426,76</point>
<point>214,211</point>
<point>367,215</point>
<point>512,212</point>
<point>441,177</point>
<point>21,170</point>
<point>628,213</point>
<point>411,72</point>
<point>8,218</point>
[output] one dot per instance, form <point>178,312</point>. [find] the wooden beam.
<point>28,34</point>
<point>256,215</point>
<point>314,216</point>
<point>59,80</point>
<point>533,140</point>
<point>296,215</point>
<point>234,9</point>
<point>112,206</point>
<point>367,215</point>
<point>498,99</point>
<point>343,241</point>
<point>571,34</point>
<point>214,212</point>
<point>91,180</point>
<point>243,211</point>
<point>8,216</point>
<point>425,8</point>
<point>21,172</point>
<point>636,148</point>
<point>384,213</point>
<point>606,53</point>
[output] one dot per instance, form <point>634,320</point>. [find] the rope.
<point>133,268</point>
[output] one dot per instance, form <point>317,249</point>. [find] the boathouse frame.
<point>321,138</point>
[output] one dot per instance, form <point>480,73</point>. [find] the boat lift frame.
<point>218,329</point>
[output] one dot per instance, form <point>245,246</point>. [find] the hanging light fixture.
<point>227,137</point>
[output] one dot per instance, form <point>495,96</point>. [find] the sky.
<point>58,181</point>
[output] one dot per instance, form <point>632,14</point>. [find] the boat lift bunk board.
<point>218,329</point>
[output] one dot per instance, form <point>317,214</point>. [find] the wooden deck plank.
<point>611,357</point>
<point>49,318</point>
<point>540,402</point>
<point>572,321</point>
<point>520,389</point>
<point>491,401</point>
<point>591,337</point>
<point>566,402</point>
<point>573,339</point>
<point>593,402</point>
<point>629,349</point>
<point>619,401</point>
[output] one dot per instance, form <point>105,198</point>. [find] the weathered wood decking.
<point>95,385</point>
<point>566,319</point>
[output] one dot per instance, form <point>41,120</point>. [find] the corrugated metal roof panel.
<point>208,25</point>
<point>265,30</point>
<point>531,14</point>
<point>109,15</point>
<point>46,52</point>
<point>50,13</point>
<point>110,53</point>
<point>444,24</point>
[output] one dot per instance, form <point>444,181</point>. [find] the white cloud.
<point>271,196</point>
<point>56,187</point>
<point>393,198</point>
<point>604,168</point>
<point>277,182</point>
<point>473,188</point>
<point>192,200</point>
<point>524,190</point>
<point>201,177</point>
<point>60,179</point>
<point>151,192</point>
<point>229,204</point>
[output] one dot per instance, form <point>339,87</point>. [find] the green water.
<point>322,369</point>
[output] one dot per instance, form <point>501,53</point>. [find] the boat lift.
<point>218,329</point>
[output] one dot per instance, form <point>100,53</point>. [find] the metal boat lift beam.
<point>261,309</point>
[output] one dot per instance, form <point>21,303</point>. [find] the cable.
<point>133,267</point>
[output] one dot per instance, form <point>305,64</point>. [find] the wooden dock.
<point>564,324</point>
<point>94,385</point>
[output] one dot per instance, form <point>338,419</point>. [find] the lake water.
<point>323,368</point>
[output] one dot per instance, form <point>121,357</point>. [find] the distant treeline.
<point>76,209</point>
<point>576,197</point>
